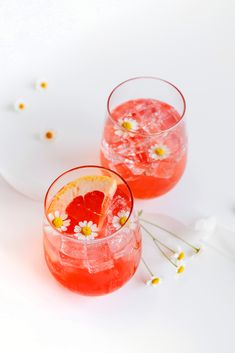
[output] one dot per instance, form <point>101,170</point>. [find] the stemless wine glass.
<point>144,138</point>
<point>89,249</point>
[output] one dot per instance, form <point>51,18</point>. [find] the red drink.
<point>92,240</point>
<point>145,141</point>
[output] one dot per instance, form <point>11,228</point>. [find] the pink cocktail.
<point>144,137</point>
<point>92,239</point>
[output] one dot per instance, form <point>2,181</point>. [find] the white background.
<point>84,48</point>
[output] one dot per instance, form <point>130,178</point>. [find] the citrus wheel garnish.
<point>85,199</point>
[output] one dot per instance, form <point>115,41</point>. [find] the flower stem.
<point>159,242</point>
<point>155,241</point>
<point>173,234</point>
<point>147,267</point>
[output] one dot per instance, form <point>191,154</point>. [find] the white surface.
<point>84,48</point>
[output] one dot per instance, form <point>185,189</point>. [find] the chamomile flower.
<point>41,84</point>
<point>85,230</point>
<point>159,152</point>
<point>121,218</point>
<point>48,135</point>
<point>178,256</point>
<point>59,220</point>
<point>154,281</point>
<point>20,105</point>
<point>180,269</point>
<point>126,126</point>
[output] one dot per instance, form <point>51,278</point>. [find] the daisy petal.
<point>50,216</point>
<point>77,229</point>
<point>121,213</point>
<point>92,236</point>
<point>67,223</point>
<point>64,216</point>
<point>89,224</point>
<point>94,228</point>
<point>79,236</point>
<point>57,213</point>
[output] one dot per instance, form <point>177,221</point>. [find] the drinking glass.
<point>85,264</point>
<point>144,137</point>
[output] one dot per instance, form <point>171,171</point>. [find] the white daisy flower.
<point>20,105</point>
<point>121,218</point>
<point>59,220</point>
<point>180,269</point>
<point>86,230</point>
<point>154,281</point>
<point>178,256</point>
<point>41,84</point>
<point>48,135</point>
<point>125,127</point>
<point>159,152</point>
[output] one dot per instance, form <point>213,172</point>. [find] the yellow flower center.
<point>86,231</point>
<point>155,280</point>
<point>180,269</point>
<point>127,125</point>
<point>181,256</point>
<point>21,106</point>
<point>49,135</point>
<point>160,151</point>
<point>58,222</point>
<point>43,85</point>
<point>122,220</point>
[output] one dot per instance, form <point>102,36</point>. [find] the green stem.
<point>159,242</point>
<point>157,245</point>
<point>173,234</point>
<point>147,267</point>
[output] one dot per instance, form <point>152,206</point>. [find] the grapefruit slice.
<point>85,199</point>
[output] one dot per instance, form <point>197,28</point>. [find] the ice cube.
<point>73,253</point>
<point>99,257</point>
<point>164,169</point>
<point>121,245</point>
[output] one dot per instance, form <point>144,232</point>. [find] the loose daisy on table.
<point>126,126</point>
<point>159,152</point>
<point>154,281</point>
<point>85,230</point>
<point>178,256</point>
<point>59,220</point>
<point>48,135</point>
<point>180,269</point>
<point>20,105</point>
<point>41,84</point>
<point>121,218</point>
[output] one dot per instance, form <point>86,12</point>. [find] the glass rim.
<point>182,115</point>
<point>87,241</point>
